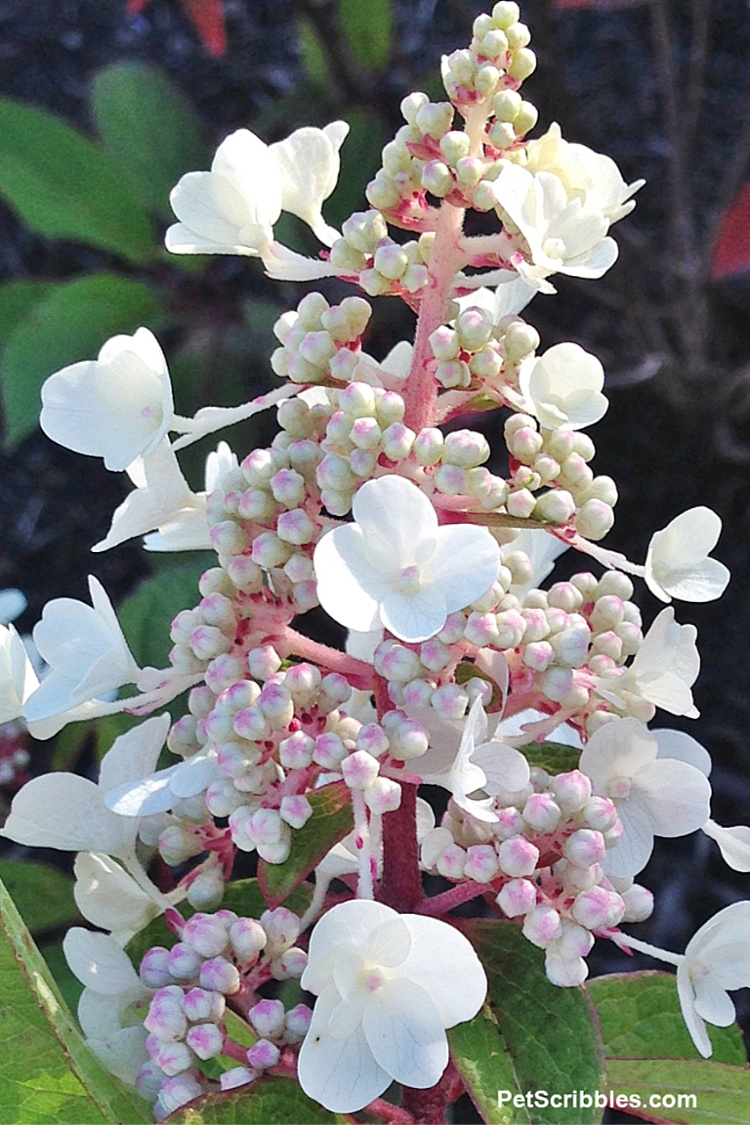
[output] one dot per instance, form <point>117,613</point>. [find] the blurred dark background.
<point>662,87</point>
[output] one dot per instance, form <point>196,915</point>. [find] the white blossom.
<point>108,897</point>
<point>12,605</point>
<point>677,562</point>
<point>395,567</point>
<point>663,670</point>
<point>388,985</point>
<point>716,962</point>
<point>562,235</point>
<point>507,299</point>
<point>584,173</point>
<point>118,406</point>
<point>112,986</point>
<point>64,811</point>
<point>655,795</point>
<point>86,651</point>
<point>232,209</point>
<point>563,387</point>
<point>159,792</point>
<point>17,676</point>
<point>163,500</point>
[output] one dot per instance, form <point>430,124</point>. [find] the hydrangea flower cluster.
<point>528,704</point>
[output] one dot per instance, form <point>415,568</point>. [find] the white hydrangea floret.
<point>118,406</point>
<point>232,209</point>
<point>388,985</point>
<point>655,794</point>
<point>396,567</point>
<point>563,387</point>
<point>677,562</point>
<point>716,962</point>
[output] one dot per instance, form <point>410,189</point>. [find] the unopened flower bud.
<point>220,975</point>
<point>518,857</point>
<point>542,925</point>
<point>267,1018</point>
<point>517,897</point>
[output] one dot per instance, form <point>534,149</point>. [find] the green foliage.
<point>17,299</point>
<point>331,821</point>
<point>64,186</point>
<point>367,27</point>
<point>43,895</point>
<point>148,129</point>
<point>270,1101</point>
<point>466,670</point>
<point>554,757</point>
<point>312,51</point>
<point>47,1073</point>
<point>368,132</point>
<point>649,1052</point>
<point>546,1037</point>
<point>640,1018</point>
<point>147,614</point>
<point>70,323</point>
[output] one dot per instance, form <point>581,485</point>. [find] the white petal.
<point>108,897</point>
<point>443,962</point>
<point>17,677</point>
<point>349,590</point>
<point>683,748</point>
<point>348,924</point>
<point>63,811</point>
<point>695,1025</point>
<point>308,164</point>
<point>503,767</point>
<point>620,748</point>
<point>341,1074</point>
<point>633,850</point>
<point>284,264</point>
<point>465,564</point>
<point>134,754</point>
<point>12,605</point>
<point>124,1054</point>
<point>398,522</point>
<point>99,963</point>
<point>414,617</point>
<point>246,161</point>
<point>405,1034</point>
<point>733,842</point>
<point>144,798</point>
<point>676,796</point>
<point>713,1004</point>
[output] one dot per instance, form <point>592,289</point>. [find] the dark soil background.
<point>662,87</point>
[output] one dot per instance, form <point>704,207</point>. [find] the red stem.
<point>393,1114</point>
<point>357,671</point>
<point>440,904</point>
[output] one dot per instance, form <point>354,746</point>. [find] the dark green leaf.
<point>367,28</point>
<point>640,1018</point>
<point>43,895</point>
<point>269,1101</point>
<point>554,757</point>
<point>485,1066</point>
<point>17,299</point>
<point>549,1033</point>
<point>244,896</point>
<point>147,614</point>
<point>313,54</point>
<point>69,324</point>
<point>331,821</point>
<point>148,128</point>
<point>47,1073</point>
<point>717,1094</point>
<point>64,186</point>
<point>69,985</point>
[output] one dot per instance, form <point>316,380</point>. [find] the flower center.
<point>553,248</point>
<point>619,787</point>
<point>409,580</point>
<point>697,971</point>
<point>372,979</point>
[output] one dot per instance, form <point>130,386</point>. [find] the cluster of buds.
<point>218,957</point>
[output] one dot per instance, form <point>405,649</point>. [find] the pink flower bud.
<point>600,814</point>
<point>172,1058</point>
<point>481,863</point>
<point>384,795</point>
<point>451,862</point>
<point>205,1039</point>
<point>154,967</point>
<point>517,897</point>
<point>572,791</point>
<point>302,681</point>
<point>282,929</point>
<point>598,908</point>
<point>237,1076</point>
<point>200,1005</point>
<point>296,811</point>
<point>565,972</point>
<point>220,975</point>
<point>297,1023</point>
<point>165,1019</point>
<point>263,1054</point>
<point>584,847</point>
<point>542,925</point>
<point>541,812</point>
<point>296,752</point>
<point>178,1091</point>
<point>206,934</point>
<point>291,965</point>
<point>267,1018</point>
<point>360,769</point>
<point>373,739</point>
<point>183,961</point>
<point>509,823</point>
<point>329,751</point>
<point>639,903</point>
<point>518,856</point>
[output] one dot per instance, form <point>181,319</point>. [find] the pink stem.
<point>393,1114</point>
<point>359,673</point>
<point>401,885</point>
<point>442,903</point>
<point>447,258</point>
<point>234,1051</point>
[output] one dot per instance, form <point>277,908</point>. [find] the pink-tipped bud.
<point>263,1054</point>
<point>360,769</point>
<point>183,961</point>
<point>542,926</point>
<point>206,934</point>
<point>541,812</point>
<point>267,1018</point>
<point>518,857</point>
<point>481,863</point>
<point>584,847</point>
<point>205,1039</point>
<point>220,975</point>
<point>297,1023</point>
<point>154,967</point>
<point>517,897</point>
<point>200,1005</point>
<point>572,791</point>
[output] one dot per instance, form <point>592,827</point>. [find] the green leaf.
<point>270,1101</point>
<point>466,670</point>
<point>640,1018</point>
<point>485,1066</point>
<point>549,1033</point>
<point>69,324</point>
<point>367,28</point>
<point>502,519</point>
<point>64,186</point>
<point>554,757</point>
<point>147,614</point>
<point>47,1073</point>
<point>368,132</point>
<point>17,299</point>
<point>244,896</point>
<point>148,128</point>
<point>312,52</point>
<point>43,895</point>
<point>331,821</point>
<point>718,1094</point>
